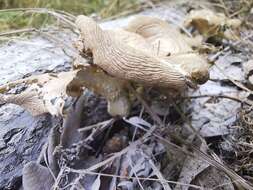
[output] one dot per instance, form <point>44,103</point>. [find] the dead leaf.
<point>192,167</point>
<point>45,93</point>
<point>36,176</point>
<point>96,184</point>
<point>211,178</point>
<point>159,175</point>
<point>126,185</point>
<point>209,23</point>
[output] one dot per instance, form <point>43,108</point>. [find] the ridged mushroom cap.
<point>125,62</point>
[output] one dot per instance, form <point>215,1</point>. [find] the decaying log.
<point>72,122</point>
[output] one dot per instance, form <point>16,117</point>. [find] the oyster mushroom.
<point>174,47</point>
<point>133,39</point>
<point>125,62</point>
<point>164,38</point>
<point>196,66</point>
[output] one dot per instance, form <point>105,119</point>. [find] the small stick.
<point>100,125</point>
<point>219,96</point>
<point>18,31</point>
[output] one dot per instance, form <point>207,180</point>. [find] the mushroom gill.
<point>96,80</point>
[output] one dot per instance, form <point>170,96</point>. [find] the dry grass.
<point>101,8</point>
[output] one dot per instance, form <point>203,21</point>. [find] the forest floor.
<point>202,140</point>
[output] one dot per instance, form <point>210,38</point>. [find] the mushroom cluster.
<point>147,52</point>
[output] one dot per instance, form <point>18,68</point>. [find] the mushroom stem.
<point>101,83</point>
